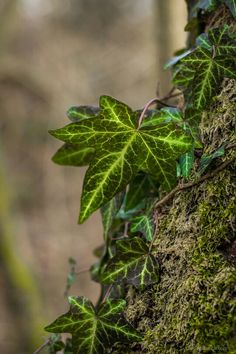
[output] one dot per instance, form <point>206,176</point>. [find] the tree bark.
<point>193,308</point>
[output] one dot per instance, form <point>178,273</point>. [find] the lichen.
<point>193,308</point>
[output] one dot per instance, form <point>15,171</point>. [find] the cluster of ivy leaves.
<point>131,164</point>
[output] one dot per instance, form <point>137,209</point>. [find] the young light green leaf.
<point>144,224</point>
<point>132,264</point>
<point>122,149</point>
<point>231,4</point>
<point>94,330</point>
<point>207,159</point>
<point>73,155</point>
<point>76,113</point>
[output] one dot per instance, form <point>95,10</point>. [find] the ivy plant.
<point>137,160</point>
<point>122,147</point>
<point>93,330</point>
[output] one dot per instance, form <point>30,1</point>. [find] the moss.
<point>193,308</point>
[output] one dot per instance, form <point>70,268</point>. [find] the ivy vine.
<point>135,160</point>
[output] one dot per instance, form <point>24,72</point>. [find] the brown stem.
<point>85,270</point>
<point>107,293</point>
<point>166,98</point>
<point>151,102</point>
<point>209,175</point>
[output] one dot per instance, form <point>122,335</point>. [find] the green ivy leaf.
<point>55,344</point>
<point>204,42</point>
<point>143,186</point>
<point>201,74</point>
<point>186,163</point>
<point>73,155</point>
<point>132,264</point>
<point>164,115</point>
<point>223,40</point>
<point>94,330</point>
<point>121,150</point>
<point>144,224</point>
<point>75,114</point>
<point>207,159</point>
<point>231,4</point>
<point>109,211</point>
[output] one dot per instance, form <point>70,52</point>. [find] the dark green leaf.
<point>73,155</point>
<point>75,114</point>
<point>144,224</point>
<point>55,344</point>
<point>231,4</point>
<point>94,330</point>
<point>223,40</point>
<point>132,264</point>
<point>201,73</point>
<point>109,211</point>
<point>207,159</point>
<point>122,149</point>
<point>143,186</point>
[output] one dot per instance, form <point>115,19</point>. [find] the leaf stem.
<point>107,293</point>
<point>148,104</point>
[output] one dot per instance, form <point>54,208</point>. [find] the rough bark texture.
<point>193,308</point>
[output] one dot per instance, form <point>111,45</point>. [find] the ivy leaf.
<point>109,211</point>
<point>73,155</point>
<point>207,159</point>
<point>121,150</point>
<point>164,115</point>
<point>76,113</point>
<point>55,344</point>
<point>204,42</point>
<point>94,330</point>
<point>132,264</point>
<point>201,74</point>
<point>144,224</point>
<point>231,4</point>
<point>186,163</point>
<point>142,187</point>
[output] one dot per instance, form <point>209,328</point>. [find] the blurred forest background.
<point>55,54</point>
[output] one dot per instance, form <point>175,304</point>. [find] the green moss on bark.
<point>193,308</point>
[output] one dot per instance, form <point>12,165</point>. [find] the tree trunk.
<point>193,308</point>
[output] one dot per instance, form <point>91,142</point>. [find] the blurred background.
<point>55,54</point>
